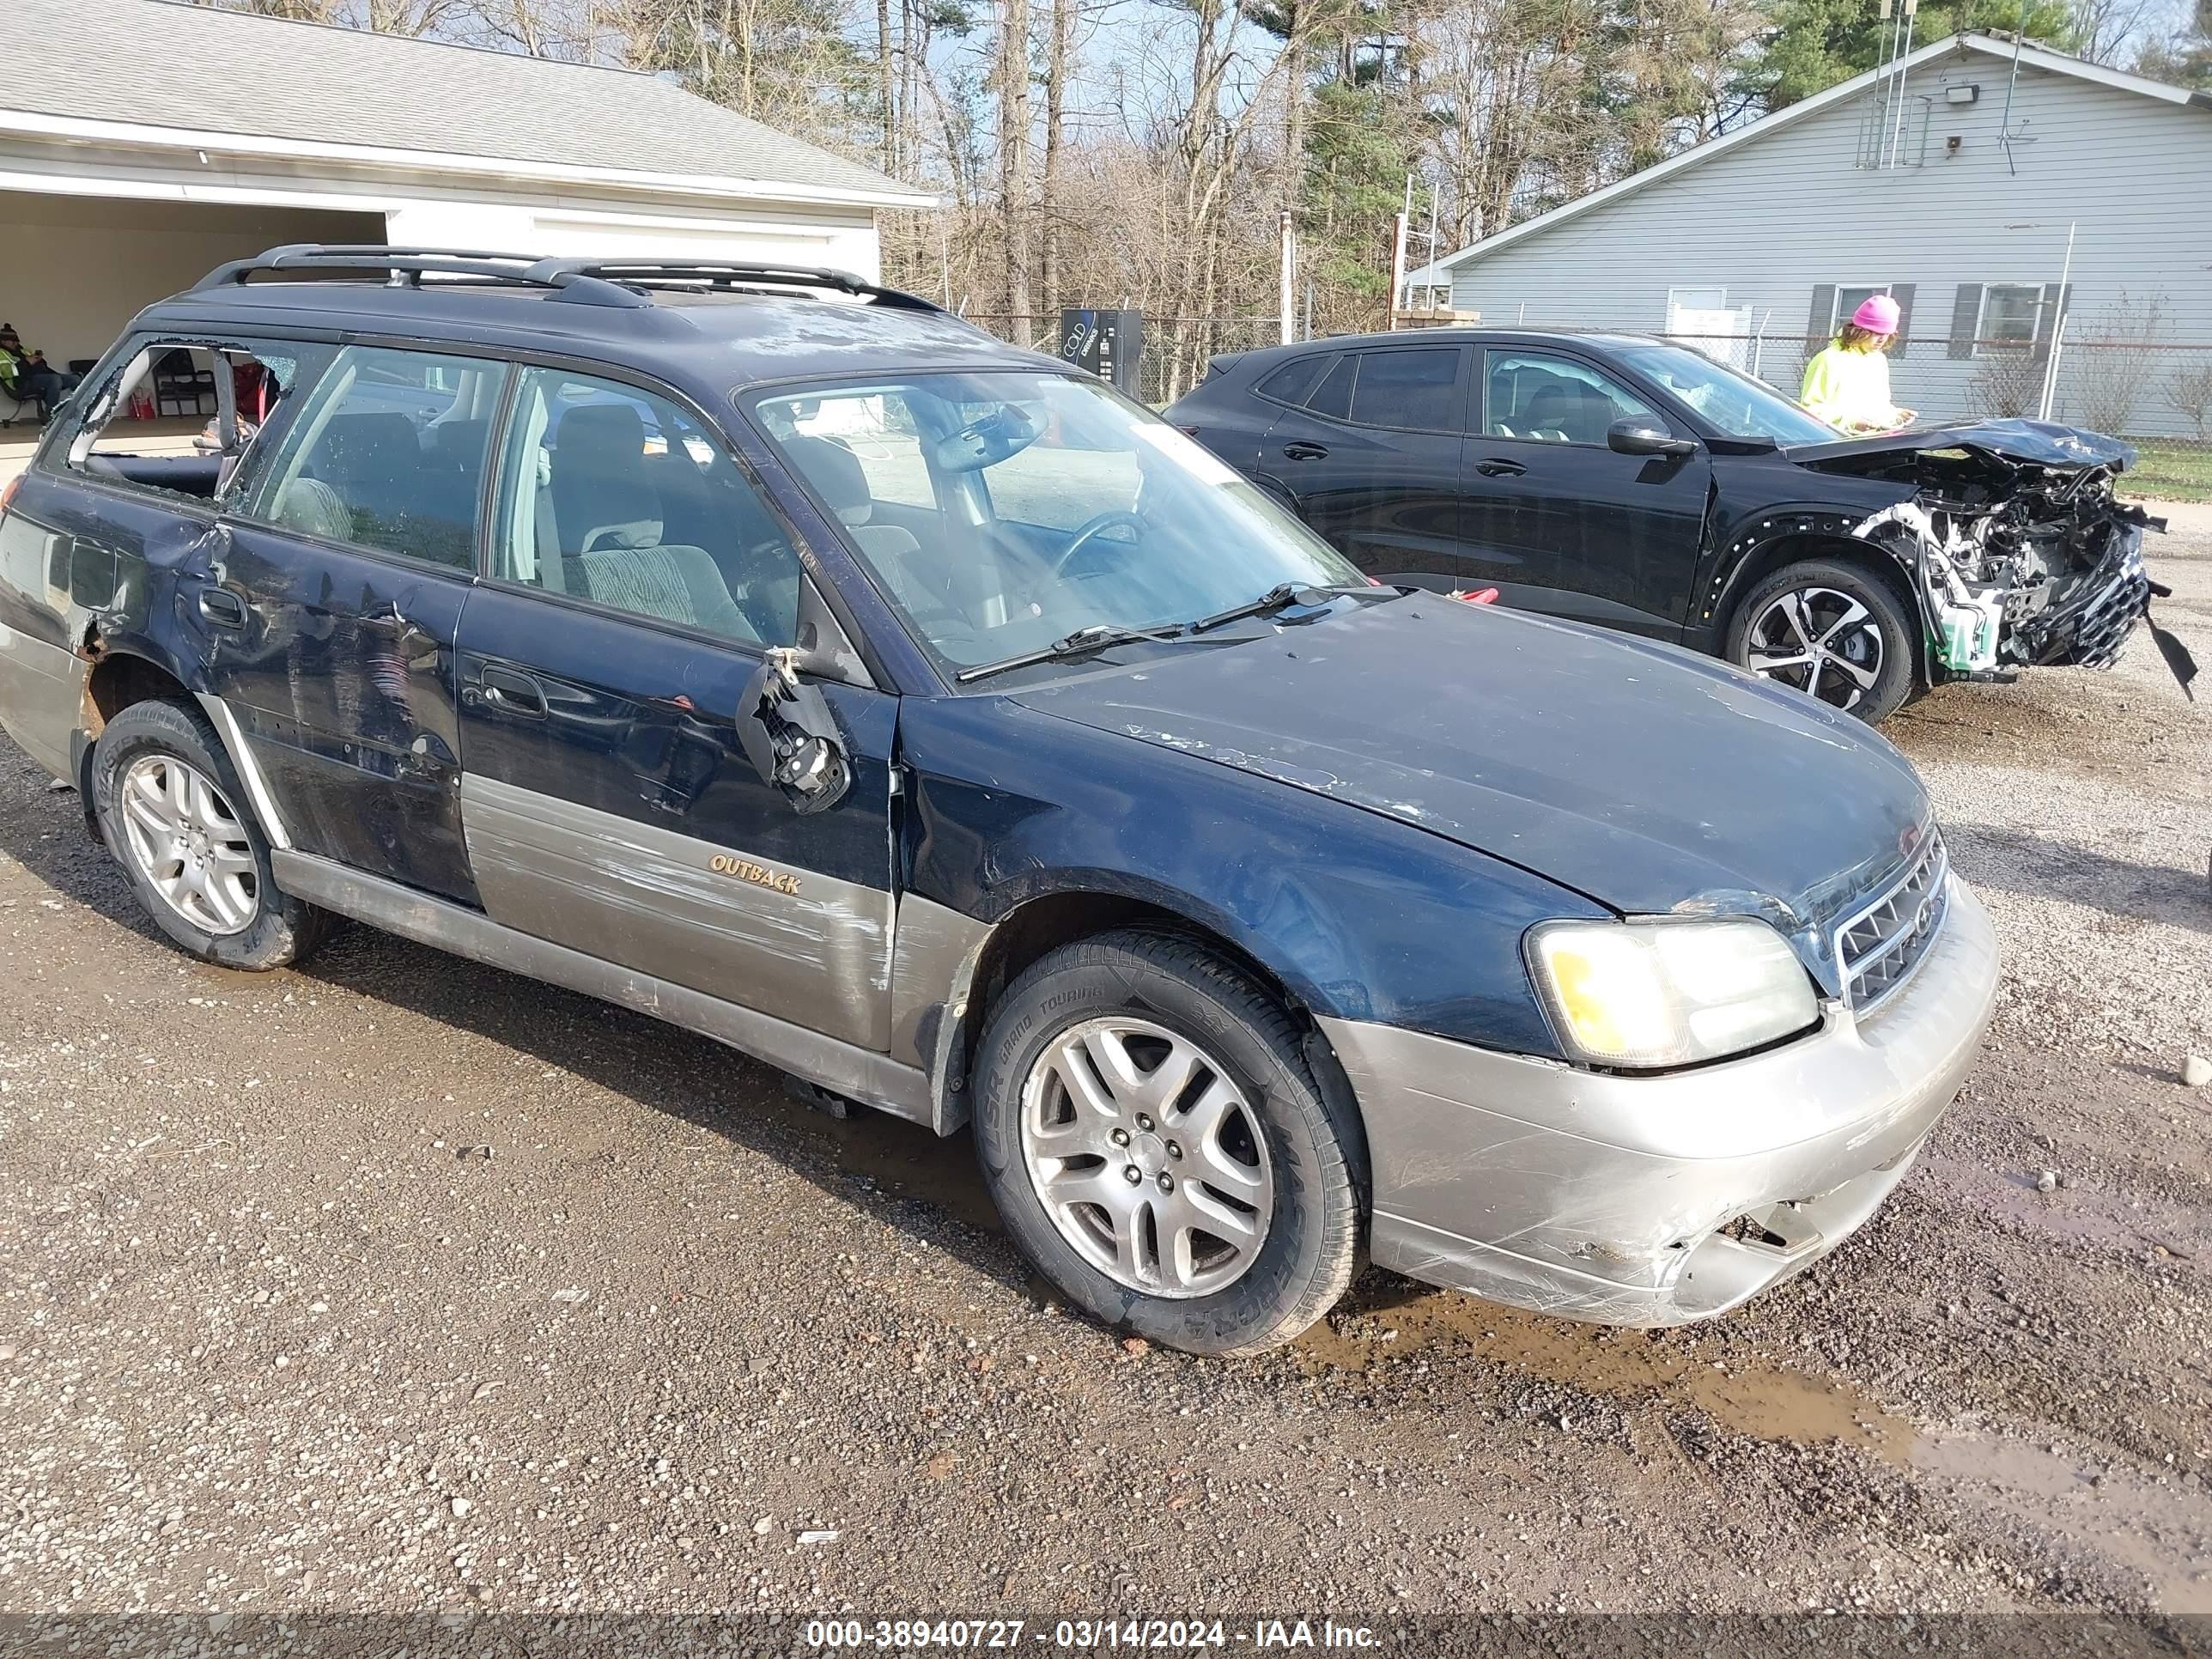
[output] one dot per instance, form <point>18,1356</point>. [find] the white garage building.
<point>143,142</point>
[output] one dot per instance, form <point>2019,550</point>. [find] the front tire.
<point>1833,631</point>
<point>1158,1146</point>
<point>172,812</point>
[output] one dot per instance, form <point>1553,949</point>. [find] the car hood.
<point>1639,774</point>
<point>2040,443</point>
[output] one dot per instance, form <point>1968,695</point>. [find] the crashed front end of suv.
<point>2018,550</point>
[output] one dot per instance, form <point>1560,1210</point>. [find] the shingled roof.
<point>159,64</point>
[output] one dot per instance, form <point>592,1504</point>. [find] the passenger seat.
<point>607,518</point>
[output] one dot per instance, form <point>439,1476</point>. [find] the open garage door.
<point>77,268</point>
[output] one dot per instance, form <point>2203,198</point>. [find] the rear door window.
<point>1414,389</point>
<point>389,454</point>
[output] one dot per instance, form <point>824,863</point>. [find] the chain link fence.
<point>2156,393</point>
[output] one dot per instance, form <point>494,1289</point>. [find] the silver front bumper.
<point>1604,1198</point>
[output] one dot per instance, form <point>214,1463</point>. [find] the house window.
<point>1849,300</point>
<point>2011,319</point>
<point>1696,299</point>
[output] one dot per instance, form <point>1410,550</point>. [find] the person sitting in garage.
<point>1847,384</point>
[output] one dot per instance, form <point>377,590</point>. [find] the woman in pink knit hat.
<point>1847,385</point>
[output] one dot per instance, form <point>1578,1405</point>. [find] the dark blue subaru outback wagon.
<point>779,655</point>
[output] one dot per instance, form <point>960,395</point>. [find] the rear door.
<point>1561,522</point>
<point>1370,459</point>
<point>345,560</point>
<point>609,669</point>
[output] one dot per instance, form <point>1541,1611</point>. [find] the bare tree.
<point>2189,394</point>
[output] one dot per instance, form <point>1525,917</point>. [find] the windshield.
<point>1734,402</point>
<point>1002,512</point>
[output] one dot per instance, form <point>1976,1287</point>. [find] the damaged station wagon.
<point>1637,484</point>
<point>778,655</point>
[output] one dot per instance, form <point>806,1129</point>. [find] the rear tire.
<point>1832,629</point>
<point>1146,1053</point>
<point>173,813</point>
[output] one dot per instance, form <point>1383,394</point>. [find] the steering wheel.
<point>1088,531</point>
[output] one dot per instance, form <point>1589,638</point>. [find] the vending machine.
<point>1109,344</point>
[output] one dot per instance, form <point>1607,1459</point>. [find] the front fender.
<point>1359,916</point>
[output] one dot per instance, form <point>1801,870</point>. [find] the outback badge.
<point>728,863</point>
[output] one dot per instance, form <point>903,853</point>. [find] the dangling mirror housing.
<point>790,735</point>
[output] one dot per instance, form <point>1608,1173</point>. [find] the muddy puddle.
<point>1630,1368</point>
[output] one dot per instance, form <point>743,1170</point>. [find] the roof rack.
<point>622,283</point>
<point>723,277</point>
<point>407,266</point>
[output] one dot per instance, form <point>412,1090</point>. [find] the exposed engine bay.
<point>2019,549</point>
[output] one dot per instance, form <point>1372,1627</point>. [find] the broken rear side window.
<point>181,418</point>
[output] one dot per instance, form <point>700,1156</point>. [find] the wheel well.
<point>118,680</point>
<point>1043,925</point>
<point>1796,549</point>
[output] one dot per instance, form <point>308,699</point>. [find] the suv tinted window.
<point>1534,394</point>
<point>1334,396</point>
<point>1289,383</point>
<point>1411,389</point>
<point>616,494</point>
<point>389,454</point>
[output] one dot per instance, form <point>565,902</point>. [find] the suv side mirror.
<point>788,733</point>
<point>1639,435</point>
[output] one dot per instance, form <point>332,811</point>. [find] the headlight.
<point>1653,993</point>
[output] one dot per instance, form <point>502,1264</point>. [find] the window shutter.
<point>1902,293</point>
<point>1966,316</point>
<point>1822,323</point>
<point>2048,318</point>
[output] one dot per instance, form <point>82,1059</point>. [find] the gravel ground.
<point>398,1283</point>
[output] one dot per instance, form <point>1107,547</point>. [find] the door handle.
<point>222,607</point>
<point>1306,451</point>
<point>1498,467</point>
<point>514,693</point>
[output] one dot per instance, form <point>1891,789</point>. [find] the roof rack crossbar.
<point>407,266</point>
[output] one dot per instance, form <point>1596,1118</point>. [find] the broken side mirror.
<point>791,736</point>
<point>1639,435</point>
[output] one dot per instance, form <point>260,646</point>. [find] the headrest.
<point>836,472</point>
<point>358,444</point>
<point>598,434</point>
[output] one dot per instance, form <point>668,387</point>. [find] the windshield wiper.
<point>1281,597</point>
<point>1081,642</point>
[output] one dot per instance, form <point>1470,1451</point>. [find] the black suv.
<point>1639,485</point>
<point>778,655</point>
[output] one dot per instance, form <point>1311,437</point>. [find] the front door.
<point>1566,525</point>
<point>638,579</point>
<point>335,592</point>
<point>1372,461</point>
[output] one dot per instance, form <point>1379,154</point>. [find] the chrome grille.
<point>1879,947</point>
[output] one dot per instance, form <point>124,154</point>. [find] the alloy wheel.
<point>184,838</point>
<point>1820,640</point>
<point>1146,1157</point>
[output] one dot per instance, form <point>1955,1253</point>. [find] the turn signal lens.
<point>1647,994</point>
<point>8,491</point>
